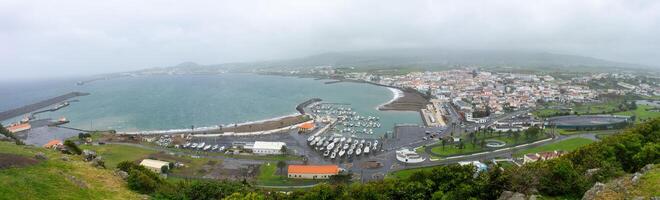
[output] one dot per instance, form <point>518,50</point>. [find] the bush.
<point>72,147</point>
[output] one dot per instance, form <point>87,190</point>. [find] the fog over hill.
<point>426,58</point>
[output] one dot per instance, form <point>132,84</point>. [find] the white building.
<point>266,148</point>
<point>154,165</point>
<point>408,156</point>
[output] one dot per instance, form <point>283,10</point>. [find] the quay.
<point>39,105</point>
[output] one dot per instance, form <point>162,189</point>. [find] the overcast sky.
<point>65,38</point>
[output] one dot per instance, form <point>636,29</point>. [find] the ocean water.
<point>169,102</point>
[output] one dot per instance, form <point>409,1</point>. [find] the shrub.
<point>72,147</point>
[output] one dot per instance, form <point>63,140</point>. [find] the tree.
<point>280,165</point>
<point>10,135</point>
<point>444,142</point>
<point>461,145</point>
<point>142,182</point>
<point>516,136</point>
<point>482,143</point>
<point>340,178</point>
<point>72,147</point>
<point>283,150</point>
<point>164,169</point>
<point>559,177</point>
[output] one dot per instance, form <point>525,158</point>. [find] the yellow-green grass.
<point>452,149</point>
<point>449,150</point>
<point>641,113</point>
<point>649,184</point>
<point>403,174</point>
<point>574,132</point>
<point>547,112</point>
<point>47,180</point>
<point>269,175</point>
<point>116,153</point>
<point>565,145</point>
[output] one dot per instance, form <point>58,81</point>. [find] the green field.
<point>403,174</point>
<point>597,108</point>
<point>574,132</point>
<point>451,150</point>
<point>565,145</point>
<point>641,113</point>
<point>269,175</point>
<point>116,153</point>
<point>582,109</point>
<point>48,179</point>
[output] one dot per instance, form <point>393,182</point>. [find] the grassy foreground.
<point>48,179</point>
<point>116,153</point>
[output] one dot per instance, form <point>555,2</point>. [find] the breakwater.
<point>39,105</point>
<point>301,107</point>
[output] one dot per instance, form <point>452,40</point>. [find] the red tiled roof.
<point>313,169</point>
<point>52,143</point>
<point>308,125</point>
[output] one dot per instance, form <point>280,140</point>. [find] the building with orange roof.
<point>306,127</point>
<point>312,171</point>
<point>19,127</point>
<point>53,144</point>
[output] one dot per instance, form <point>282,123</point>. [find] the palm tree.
<point>280,165</point>
<point>444,142</point>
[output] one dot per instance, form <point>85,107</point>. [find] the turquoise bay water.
<point>169,102</point>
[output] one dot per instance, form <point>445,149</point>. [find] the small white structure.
<point>479,166</point>
<point>266,148</point>
<point>408,156</point>
<point>154,165</point>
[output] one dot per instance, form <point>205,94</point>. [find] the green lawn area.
<point>402,174</point>
<point>566,145</point>
<point>269,175</point>
<point>451,149</point>
<point>48,179</point>
<point>588,108</point>
<point>547,112</point>
<point>574,132</point>
<point>116,153</point>
<point>641,113</point>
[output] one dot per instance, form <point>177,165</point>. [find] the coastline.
<point>397,95</point>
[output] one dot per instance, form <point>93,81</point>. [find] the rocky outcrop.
<point>508,195</point>
<point>591,193</point>
<point>122,174</point>
<point>98,162</point>
<point>40,156</point>
<point>88,155</point>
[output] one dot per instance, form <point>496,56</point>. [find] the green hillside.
<point>54,178</point>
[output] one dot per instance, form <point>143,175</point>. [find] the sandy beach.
<point>397,94</point>
<point>405,100</point>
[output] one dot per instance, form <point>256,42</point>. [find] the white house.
<point>266,148</point>
<point>154,165</point>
